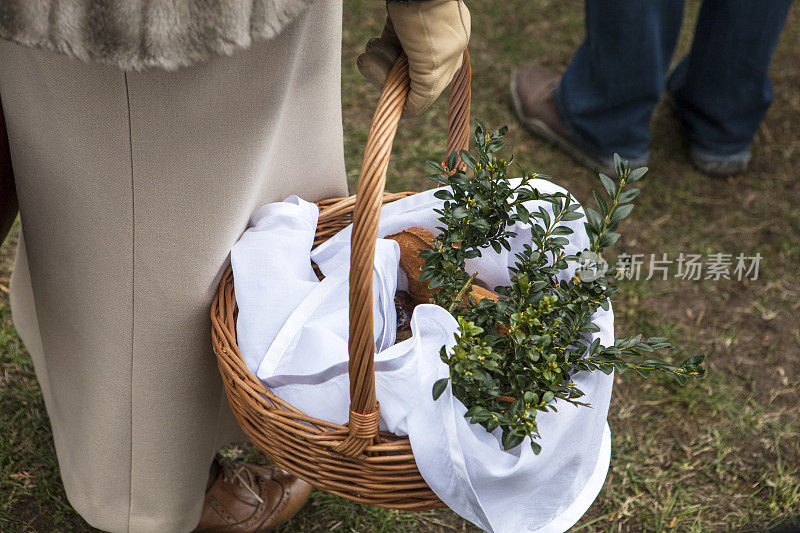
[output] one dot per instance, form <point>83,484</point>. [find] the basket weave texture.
<point>355,461</point>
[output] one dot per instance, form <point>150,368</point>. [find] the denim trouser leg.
<point>608,93</point>
<point>721,89</point>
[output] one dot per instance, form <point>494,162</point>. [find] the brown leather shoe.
<point>245,498</point>
<point>532,99</point>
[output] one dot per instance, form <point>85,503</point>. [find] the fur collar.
<point>142,34</point>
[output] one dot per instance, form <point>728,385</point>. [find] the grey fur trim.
<point>143,34</point>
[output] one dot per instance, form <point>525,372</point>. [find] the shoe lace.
<point>235,472</point>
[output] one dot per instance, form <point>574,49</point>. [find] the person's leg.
<point>721,89</point>
<point>133,187</point>
<point>608,92</point>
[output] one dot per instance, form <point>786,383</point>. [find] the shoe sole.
<point>710,168</point>
<point>719,169</point>
<point>542,130</point>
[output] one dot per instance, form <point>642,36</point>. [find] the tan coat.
<point>132,188</point>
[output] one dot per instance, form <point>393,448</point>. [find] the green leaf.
<point>561,230</point>
<point>618,166</point>
<point>495,146</point>
<point>594,217</point>
<point>523,214</point>
<point>426,275</point>
<point>439,387</point>
<point>481,224</point>
<point>609,186</point>
<point>544,215</point>
<point>435,283</point>
<point>528,396</point>
<point>435,165</point>
<point>511,440</point>
<point>608,239</point>
<point>628,194</point>
<point>637,174</point>
<point>441,179</point>
<point>460,212</point>
<point>468,159</point>
<point>443,194</point>
<point>452,160</point>
<point>571,216</point>
<point>601,204</point>
<point>480,136</point>
<point>621,212</point>
<point>693,361</point>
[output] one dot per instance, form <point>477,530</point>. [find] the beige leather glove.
<point>433,34</point>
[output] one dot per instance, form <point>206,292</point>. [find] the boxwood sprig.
<point>516,356</point>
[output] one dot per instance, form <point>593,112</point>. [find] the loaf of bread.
<point>412,241</point>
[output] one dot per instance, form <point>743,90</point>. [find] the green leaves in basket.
<point>439,387</point>
<point>516,357</point>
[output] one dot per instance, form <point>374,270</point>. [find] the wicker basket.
<point>355,460</point>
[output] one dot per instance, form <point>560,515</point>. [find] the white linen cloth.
<point>292,332</point>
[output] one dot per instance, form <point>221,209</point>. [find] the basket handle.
<point>364,414</point>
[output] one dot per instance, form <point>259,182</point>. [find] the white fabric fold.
<point>292,331</point>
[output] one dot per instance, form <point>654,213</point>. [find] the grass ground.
<point>719,455</point>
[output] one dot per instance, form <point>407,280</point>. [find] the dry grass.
<point>719,455</point>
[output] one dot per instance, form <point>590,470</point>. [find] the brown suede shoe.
<point>245,498</point>
<point>532,99</point>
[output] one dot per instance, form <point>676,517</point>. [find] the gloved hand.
<point>433,34</point>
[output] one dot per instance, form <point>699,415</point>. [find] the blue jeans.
<point>721,89</point>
